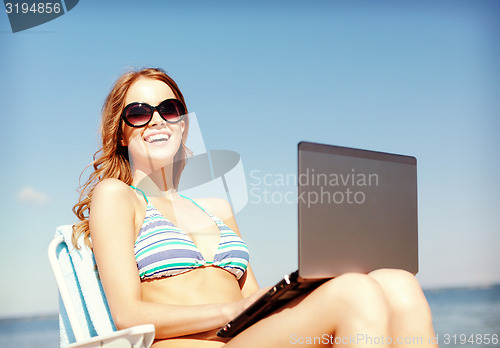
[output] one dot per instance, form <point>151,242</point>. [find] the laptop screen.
<point>357,211</point>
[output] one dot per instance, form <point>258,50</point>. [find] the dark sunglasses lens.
<point>138,115</point>
<point>171,110</point>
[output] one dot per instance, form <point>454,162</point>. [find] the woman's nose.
<point>156,119</point>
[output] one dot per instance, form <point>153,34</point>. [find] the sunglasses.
<point>140,114</point>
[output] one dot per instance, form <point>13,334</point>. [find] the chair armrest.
<point>141,336</point>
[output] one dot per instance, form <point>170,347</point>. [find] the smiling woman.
<point>112,159</point>
<point>180,263</point>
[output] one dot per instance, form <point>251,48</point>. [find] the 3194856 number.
<point>41,7</point>
<point>480,339</point>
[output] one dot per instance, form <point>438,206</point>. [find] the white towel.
<point>88,299</point>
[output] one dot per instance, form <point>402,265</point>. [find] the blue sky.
<point>416,77</point>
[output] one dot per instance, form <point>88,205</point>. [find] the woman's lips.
<point>156,138</point>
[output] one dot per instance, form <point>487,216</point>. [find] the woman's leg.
<point>349,311</point>
<point>410,315</point>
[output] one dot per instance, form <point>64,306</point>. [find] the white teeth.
<point>156,138</point>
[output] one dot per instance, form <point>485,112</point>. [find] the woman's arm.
<point>112,221</point>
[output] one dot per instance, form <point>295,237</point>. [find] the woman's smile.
<point>157,138</point>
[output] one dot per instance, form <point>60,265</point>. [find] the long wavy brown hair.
<point>111,160</point>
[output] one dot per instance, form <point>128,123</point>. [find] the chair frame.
<point>137,336</point>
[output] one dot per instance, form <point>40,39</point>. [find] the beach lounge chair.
<point>84,317</point>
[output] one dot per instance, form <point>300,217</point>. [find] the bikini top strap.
<point>143,194</point>
<point>146,198</point>
<point>193,202</point>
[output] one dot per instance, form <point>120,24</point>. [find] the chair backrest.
<point>83,308</point>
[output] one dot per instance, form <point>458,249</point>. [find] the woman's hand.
<point>236,308</point>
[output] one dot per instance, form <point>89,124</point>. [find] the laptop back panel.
<point>357,211</point>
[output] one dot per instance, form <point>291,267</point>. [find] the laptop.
<point>357,212</point>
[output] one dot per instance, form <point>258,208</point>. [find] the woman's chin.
<point>153,152</point>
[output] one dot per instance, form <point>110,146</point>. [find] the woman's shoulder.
<point>111,189</point>
<point>216,206</point>
<point>110,185</point>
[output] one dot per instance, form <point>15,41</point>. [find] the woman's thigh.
<point>337,306</point>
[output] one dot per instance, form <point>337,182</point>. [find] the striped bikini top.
<point>163,250</point>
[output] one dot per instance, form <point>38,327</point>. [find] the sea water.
<point>31,332</point>
<point>462,317</point>
<point>466,317</point>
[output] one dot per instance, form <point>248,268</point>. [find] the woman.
<point>159,253</point>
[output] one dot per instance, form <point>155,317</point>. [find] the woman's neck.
<point>158,183</point>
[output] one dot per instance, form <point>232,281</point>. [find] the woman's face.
<point>153,146</point>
